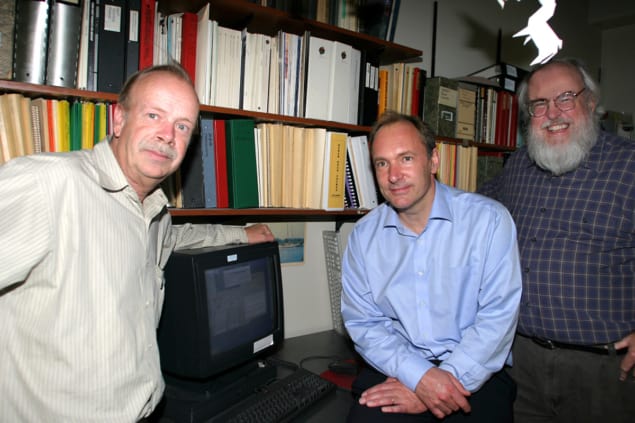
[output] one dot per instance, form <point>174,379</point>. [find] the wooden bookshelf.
<point>239,14</point>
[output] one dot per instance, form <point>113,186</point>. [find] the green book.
<point>242,176</point>
<point>439,105</point>
<point>76,126</point>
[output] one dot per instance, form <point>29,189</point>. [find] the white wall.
<point>467,33</point>
<point>618,69</point>
<point>307,304</point>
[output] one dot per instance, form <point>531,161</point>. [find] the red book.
<point>50,111</point>
<point>513,124</point>
<point>146,33</point>
<point>416,90</point>
<point>220,153</point>
<point>188,43</point>
<point>500,130</point>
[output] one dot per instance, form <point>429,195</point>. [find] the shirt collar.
<point>440,208</point>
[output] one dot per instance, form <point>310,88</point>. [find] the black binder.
<point>112,46</point>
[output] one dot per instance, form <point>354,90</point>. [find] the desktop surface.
<point>313,352</point>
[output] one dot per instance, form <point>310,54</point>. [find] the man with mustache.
<point>85,237</point>
<point>571,192</point>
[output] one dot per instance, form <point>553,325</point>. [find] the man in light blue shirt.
<point>431,290</point>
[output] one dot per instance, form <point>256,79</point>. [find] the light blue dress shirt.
<point>451,293</point>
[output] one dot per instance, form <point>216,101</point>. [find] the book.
<point>189,42</point>
<point>466,111</point>
<point>6,148</point>
<point>192,177</point>
<point>228,51</point>
<point>363,172</point>
<point>262,165</point>
<point>30,41</point>
<point>92,57</point>
<point>255,71</point>
<point>84,41</point>
<point>131,64</point>
<point>334,171</point>
<point>382,93</point>
<point>297,166</point>
<point>286,164</point>
<point>205,36</point>
<point>65,24</point>
<point>220,156</point>
<point>341,78</point>
<point>40,117</point>
<point>351,198</point>
<point>88,124</point>
<point>368,88</point>
<point>418,91</point>
<point>209,162</point>
<point>112,46</point>
<point>241,163</point>
<point>275,134</point>
<point>440,103</point>
<point>7,25</point>
<point>273,85</point>
<point>11,106</point>
<point>318,86</point>
<point>146,33</point>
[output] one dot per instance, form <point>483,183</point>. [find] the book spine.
<point>30,41</point>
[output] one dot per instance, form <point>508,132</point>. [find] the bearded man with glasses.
<point>571,191</point>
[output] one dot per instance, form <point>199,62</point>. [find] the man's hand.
<point>259,233</point>
<point>628,362</point>
<point>393,397</point>
<point>442,393</point>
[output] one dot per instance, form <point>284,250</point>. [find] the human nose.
<point>394,174</point>
<point>167,132</point>
<point>553,111</point>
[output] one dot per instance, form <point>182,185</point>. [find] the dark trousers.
<point>490,404</point>
<point>563,386</point>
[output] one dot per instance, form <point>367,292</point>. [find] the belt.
<point>604,349</point>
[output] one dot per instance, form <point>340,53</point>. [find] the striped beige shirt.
<point>81,288</point>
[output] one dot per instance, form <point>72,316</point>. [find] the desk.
<point>317,350</point>
<point>334,407</point>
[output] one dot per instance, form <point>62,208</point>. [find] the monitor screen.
<point>223,308</point>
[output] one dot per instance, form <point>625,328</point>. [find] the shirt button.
<point>526,270</point>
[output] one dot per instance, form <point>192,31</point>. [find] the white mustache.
<point>163,149</point>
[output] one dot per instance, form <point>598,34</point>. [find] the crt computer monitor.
<point>223,310</point>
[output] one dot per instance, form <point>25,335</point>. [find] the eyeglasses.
<point>564,102</point>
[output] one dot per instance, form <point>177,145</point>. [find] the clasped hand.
<point>438,391</point>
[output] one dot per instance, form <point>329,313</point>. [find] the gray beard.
<point>560,159</point>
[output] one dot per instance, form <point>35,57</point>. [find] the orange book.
<point>383,92</point>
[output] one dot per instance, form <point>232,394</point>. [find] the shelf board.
<point>239,14</point>
<point>36,90</point>
<point>271,212</point>
<point>479,145</point>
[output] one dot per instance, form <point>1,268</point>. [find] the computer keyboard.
<point>279,401</point>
